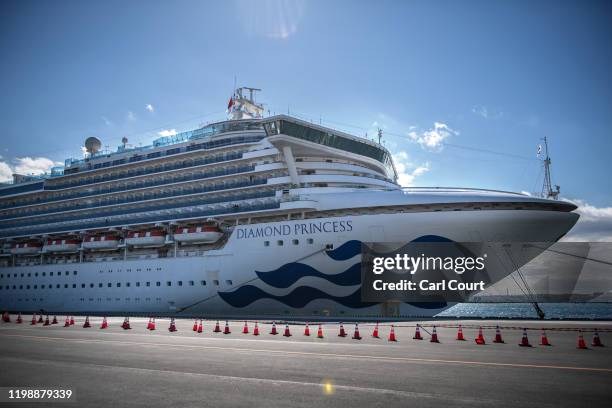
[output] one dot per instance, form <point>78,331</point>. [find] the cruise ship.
<point>252,216</point>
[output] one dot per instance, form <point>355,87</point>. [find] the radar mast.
<point>547,188</point>
<point>241,106</point>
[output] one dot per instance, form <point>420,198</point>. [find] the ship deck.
<point>157,368</point>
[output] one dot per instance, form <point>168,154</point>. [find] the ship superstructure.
<point>247,216</point>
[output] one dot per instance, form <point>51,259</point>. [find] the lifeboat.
<point>61,245</point>
<point>199,234</point>
<point>101,242</point>
<point>26,248</point>
<point>150,238</point>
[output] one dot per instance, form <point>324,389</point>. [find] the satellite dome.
<point>124,140</point>
<point>92,144</point>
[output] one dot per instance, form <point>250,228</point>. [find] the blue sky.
<point>494,76</point>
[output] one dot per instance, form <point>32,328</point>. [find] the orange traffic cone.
<point>195,325</point>
<point>320,332</point>
<point>544,340</point>
<point>596,340</point>
<point>47,321</point>
<point>172,327</point>
<point>72,320</point>
<point>375,332</point>
<point>356,335</point>
<point>6,317</point>
<point>217,328</point>
<point>342,332</point>
<point>306,330</point>
<point>86,324</point>
<point>256,330</point>
<point>480,339</point>
<point>245,329</point>
<point>19,319</point>
<point>524,340</point>
<point>392,334</point>
<point>434,336</point>
<point>104,324</point>
<point>33,322</point>
<point>273,331</point>
<point>227,328</point>
<point>67,323</point>
<point>54,321</point>
<point>200,328</point>
<point>498,336</point>
<point>417,333</point>
<point>40,319</point>
<point>152,324</point>
<point>460,333</point>
<point>287,333</point>
<point>581,343</point>
<point>126,324</point>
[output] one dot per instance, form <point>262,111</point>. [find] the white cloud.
<point>106,121</point>
<point>594,225</point>
<point>149,108</point>
<point>432,139</point>
<point>34,165</point>
<point>407,171</point>
<point>131,116</point>
<point>167,132</point>
<point>6,173</point>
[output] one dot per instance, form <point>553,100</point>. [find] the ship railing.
<point>459,189</point>
<point>153,196</point>
<point>235,208</point>
<point>207,175</point>
<point>135,210</point>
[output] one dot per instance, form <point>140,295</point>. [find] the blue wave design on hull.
<point>345,251</point>
<point>288,274</point>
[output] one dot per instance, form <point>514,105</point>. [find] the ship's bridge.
<point>304,138</point>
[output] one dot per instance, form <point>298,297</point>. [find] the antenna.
<point>547,188</point>
<point>380,135</point>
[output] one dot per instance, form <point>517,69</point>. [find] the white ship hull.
<point>234,288</point>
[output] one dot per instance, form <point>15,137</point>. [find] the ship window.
<point>148,284</point>
<point>67,273</point>
<point>29,275</point>
<point>28,287</point>
<point>36,274</point>
<point>157,283</point>
<point>229,282</point>
<point>35,286</point>
<point>20,286</point>
<point>137,284</point>
<point>180,283</point>
<point>310,240</point>
<point>74,273</point>
<point>296,241</point>
<point>1,276</point>
<point>82,285</point>
<point>203,283</point>
<point>44,274</point>
<point>118,284</point>
<point>127,284</point>
<point>100,284</point>
<point>42,286</point>
<point>266,243</point>
<point>50,273</point>
<point>279,242</point>
<point>91,285</point>
<point>110,285</point>
<point>216,282</point>
<point>57,286</point>
<point>190,283</point>
<point>168,283</point>
<point>65,286</point>
<point>74,286</point>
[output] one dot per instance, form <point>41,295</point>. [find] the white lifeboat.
<point>150,238</point>
<point>199,234</point>
<point>100,242</point>
<point>61,245</point>
<point>26,248</point>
